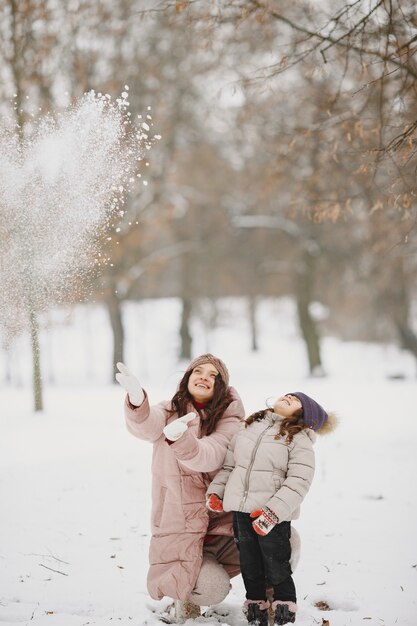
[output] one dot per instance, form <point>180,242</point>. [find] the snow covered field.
<point>74,485</point>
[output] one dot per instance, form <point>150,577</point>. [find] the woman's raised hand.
<point>130,384</point>
<point>177,428</point>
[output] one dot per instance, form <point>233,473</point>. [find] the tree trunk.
<point>252,304</point>
<point>116,321</point>
<point>408,338</point>
<point>8,363</point>
<point>185,335</point>
<point>304,291</point>
<point>398,303</point>
<point>36,360</point>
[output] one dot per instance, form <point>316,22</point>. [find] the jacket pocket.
<point>160,506</point>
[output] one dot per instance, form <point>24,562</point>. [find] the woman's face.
<point>201,382</point>
<point>287,405</point>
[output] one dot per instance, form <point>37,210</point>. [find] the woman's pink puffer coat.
<point>181,473</point>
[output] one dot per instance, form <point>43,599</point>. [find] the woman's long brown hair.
<point>289,426</point>
<point>213,410</point>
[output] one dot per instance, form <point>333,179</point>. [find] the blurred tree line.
<point>287,160</point>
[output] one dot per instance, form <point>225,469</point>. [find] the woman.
<point>265,477</point>
<point>192,552</point>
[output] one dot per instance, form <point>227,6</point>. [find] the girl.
<point>192,552</point>
<point>266,475</point>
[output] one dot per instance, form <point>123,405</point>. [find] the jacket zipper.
<point>248,471</point>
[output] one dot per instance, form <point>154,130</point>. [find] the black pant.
<point>264,561</point>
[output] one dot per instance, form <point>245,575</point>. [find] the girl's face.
<point>287,405</point>
<point>201,382</point>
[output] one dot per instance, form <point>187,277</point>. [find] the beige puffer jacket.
<point>260,470</point>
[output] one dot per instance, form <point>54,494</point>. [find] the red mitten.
<point>265,521</point>
<point>214,503</point>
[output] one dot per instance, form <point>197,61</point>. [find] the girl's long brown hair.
<point>289,426</point>
<point>213,410</point>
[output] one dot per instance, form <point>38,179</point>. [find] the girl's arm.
<point>144,421</point>
<point>218,483</point>
<point>207,454</point>
<point>300,474</point>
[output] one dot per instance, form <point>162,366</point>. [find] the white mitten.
<point>175,429</point>
<point>131,384</point>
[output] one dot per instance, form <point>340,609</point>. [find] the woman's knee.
<point>213,583</point>
<point>295,548</point>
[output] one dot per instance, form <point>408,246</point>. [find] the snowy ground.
<point>74,485</point>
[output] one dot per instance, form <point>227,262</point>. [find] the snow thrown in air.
<point>59,191</point>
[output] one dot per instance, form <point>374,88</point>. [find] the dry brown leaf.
<point>376,207</point>
<point>180,6</point>
<point>322,605</point>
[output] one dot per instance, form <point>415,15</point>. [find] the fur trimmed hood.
<point>329,425</point>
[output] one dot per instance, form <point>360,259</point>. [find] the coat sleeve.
<point>298,480</point>
<point>145,421</point>
<point>207,454</point>
<point>218,484</point>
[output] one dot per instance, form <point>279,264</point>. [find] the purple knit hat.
<point>314,416</point>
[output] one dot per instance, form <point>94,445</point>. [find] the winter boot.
<point>283,612</point>
<point>256,612</point>
<point>184,609</point>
